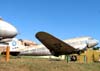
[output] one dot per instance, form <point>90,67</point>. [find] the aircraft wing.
<point>55,45</point>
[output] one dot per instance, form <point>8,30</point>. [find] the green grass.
<point>35,64</point>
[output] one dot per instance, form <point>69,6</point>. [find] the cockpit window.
<point>90,38</point>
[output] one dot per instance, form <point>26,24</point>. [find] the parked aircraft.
<point>58,47</point>
<point>52,46</point>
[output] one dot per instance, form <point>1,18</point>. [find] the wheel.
<point>73,58</point>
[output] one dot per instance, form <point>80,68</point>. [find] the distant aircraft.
<point>58,47</point>
<point>52,46</point>
<point>7,32</point>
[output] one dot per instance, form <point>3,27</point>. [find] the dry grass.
<point>34,64</point>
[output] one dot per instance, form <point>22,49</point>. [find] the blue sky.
<point>62,18</point>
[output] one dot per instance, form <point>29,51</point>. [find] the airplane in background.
<point>51,45</point>
<point>58,47</point>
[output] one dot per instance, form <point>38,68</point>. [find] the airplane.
<point>51,46</point>
<point>58,47</point>
<point>7,32</point>
<point>20,47</point>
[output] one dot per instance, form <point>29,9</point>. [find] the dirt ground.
<point>34,64</point>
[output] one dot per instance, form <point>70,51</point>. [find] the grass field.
<point>35,64</point>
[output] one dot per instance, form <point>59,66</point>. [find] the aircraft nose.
<point>10,30</point>
<point>93,43</point>
<point>13,30</point>
<point>96,42</point>
<point>7,30</point>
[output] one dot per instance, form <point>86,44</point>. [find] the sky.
<point>62,18</point>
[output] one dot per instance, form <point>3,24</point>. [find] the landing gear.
<point>55,53</point>
<point>73,58</point>
<point>79,52</point>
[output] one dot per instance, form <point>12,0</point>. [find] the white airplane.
<point>52,46</point>
<point>58,47</point>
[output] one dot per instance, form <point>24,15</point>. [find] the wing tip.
<point>40,33</point>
